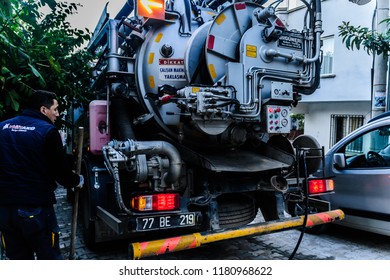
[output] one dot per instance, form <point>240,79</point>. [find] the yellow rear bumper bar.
<point>162,246</point>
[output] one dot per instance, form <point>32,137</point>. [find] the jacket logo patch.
<point>18,128</point>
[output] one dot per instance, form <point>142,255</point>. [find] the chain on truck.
<point>189,123</point>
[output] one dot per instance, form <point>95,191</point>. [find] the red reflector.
<point>210,43</point>
<point>166,99</point>
<point>320,186</point>
<point>240,6</point>
<point>279,23</point>
<point>156,202</point>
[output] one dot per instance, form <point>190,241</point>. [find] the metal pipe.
<point>153,148</point>
<point>305,59</point>
<point>158,247</point>
<point>318,31</point>
<point>126,10</point>
<point>165,148</point>
<point>114,171</point>
<point>113,60</point>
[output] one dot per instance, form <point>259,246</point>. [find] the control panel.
<point>281,91</point>
<point>278,119</point>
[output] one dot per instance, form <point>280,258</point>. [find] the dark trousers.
<point>29,233</point>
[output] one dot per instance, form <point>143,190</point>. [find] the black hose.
<point>306,193</point>
<point>122,119</point>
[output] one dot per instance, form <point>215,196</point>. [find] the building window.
<point>327,55</point>
<point>342,125</point>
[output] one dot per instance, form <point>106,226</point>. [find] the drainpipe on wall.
<point>380,96</point>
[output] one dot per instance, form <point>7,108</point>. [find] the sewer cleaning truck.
<point>189,121</point>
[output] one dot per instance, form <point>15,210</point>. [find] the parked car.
<point>360,164</point>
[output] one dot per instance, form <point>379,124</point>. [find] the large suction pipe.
<point>154,148</point>
<point>165,148</point>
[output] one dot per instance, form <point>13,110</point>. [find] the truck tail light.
<point>156,202</point>
<point>317,186</point>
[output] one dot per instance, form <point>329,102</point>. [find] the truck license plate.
<point>168,221</point>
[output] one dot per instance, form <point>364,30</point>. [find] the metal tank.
<point>203,72</point>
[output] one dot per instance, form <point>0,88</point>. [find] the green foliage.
<point>300,118</point>
<point>41,51</point>
<point>372,42</point>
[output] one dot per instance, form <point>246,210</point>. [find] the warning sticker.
<point>171,69</point>
<point>251,51</point>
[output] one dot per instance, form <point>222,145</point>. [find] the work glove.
<point>81,183</point>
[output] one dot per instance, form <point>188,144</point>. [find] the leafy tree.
<point>371,41</point>
<point>300,119</point>
<point>41,51</point>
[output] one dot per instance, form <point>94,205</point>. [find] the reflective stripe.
<point>2,241</point>
<point>54,240</point>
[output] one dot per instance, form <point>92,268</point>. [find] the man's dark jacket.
<point>32,160</point>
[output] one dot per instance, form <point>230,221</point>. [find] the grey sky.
<point>89,14</point>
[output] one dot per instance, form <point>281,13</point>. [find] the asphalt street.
<point>338,243</point>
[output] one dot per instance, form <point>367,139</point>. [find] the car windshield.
<point>369,149</point>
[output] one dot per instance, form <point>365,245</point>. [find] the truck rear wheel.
<point>235,210</point>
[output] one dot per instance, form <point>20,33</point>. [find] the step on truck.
<point>189,123</point>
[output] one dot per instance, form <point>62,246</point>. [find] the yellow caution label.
<point>158,37</point>
<point>220,19</point>
<point>212,71</point>
<point>195,89</point>
<point>251,51</point>
<point>151,58</point>
<point>151,82</point>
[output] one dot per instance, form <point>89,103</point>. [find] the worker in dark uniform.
<point>32,162</point>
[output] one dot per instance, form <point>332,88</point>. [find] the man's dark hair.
<point>41,98</point>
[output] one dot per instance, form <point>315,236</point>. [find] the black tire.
<point>234,211</point>
<point>313,160</point>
